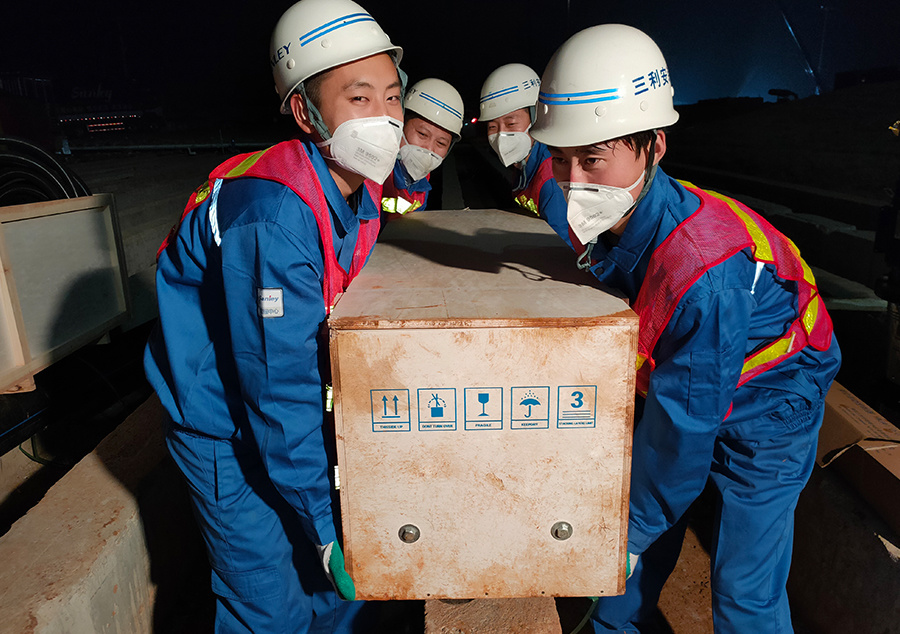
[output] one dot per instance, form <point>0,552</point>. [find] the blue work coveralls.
<point>537,191</point>
<point>758,457</point>
<point>245,395</point>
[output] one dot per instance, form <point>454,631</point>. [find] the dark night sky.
<point>210,59</point>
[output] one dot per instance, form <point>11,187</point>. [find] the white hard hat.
<point>510,87</point>
<point>603,83</point>
<point>438,102</point>
<point>315,35</point>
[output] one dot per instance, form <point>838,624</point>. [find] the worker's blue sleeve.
<point>276,357</point>
<point>699,360</point>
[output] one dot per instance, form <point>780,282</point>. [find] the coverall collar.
<point>642,226</point>
<point>402,176</point>
<point>342,213</point>
<point>530,164</point>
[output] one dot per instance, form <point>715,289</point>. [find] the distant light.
<point>474,120</point>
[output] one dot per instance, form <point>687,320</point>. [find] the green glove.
<point>630,563</point>
<point>333,562</point>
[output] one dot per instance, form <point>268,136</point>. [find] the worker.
<point>433,123</point>
<point>244,285</point>
<point>507,106</point>
<point>735,347</point>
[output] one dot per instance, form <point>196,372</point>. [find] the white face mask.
<point>366,146</point>
<point>418,161</point>
<point>592,209</point>
<point>511,147</point>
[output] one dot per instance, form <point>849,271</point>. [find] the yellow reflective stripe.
<point>640,361</point>
<point>777,349</point>
<point>763,249</point>
<point>399,205</point>
<point>201,193</point>
<point>527,203</point>
<point>246,164</point>
<point>807,272</point>
<point>811,314</point>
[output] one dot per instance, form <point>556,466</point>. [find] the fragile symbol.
<point>483,398</point>
<point>529,400</point>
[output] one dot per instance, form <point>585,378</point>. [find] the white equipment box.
<point>484,399</point>
<point>64,283</point>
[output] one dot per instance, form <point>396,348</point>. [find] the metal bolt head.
<point>561,531</point>
<point>409,533</point>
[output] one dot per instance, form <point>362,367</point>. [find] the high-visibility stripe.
<point>527,204</point>
<point>770,353</point>
<point>245,165</point>
<point>201,194</point>
<point>812,314</point>
<point>712,236</point>
<point>529,197</point>
<point>399,205</point>
<point>763,249</point>
<point>214,211</point>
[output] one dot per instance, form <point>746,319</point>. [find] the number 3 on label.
<point>579,400</point>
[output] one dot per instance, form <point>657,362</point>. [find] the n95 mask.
<point>511,147</point>
<point>367,147</point>
<point>418,161</point>
<point>593,209</point>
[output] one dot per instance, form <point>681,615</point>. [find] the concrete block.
<point>79,561</point>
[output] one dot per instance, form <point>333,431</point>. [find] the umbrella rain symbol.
<point>529,400</point>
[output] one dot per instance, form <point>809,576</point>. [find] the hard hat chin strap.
<point>584,261</point>
<point>650,174</point>
<point>315,116</point>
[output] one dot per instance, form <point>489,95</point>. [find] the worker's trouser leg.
<point>635,611</point>
<point>265,574</point>
<point>758,484</point>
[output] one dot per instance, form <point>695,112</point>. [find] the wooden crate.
<point>63,283</point>
<point>484,394</point>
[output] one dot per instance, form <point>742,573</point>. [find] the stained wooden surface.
<point>482,432</point>
<point>460,268</point>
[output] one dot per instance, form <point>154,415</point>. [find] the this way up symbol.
<point>384,400</point>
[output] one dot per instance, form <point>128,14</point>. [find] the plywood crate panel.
<point>63,284</point>
<point>484,394</point>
